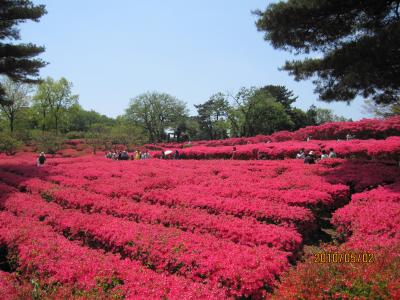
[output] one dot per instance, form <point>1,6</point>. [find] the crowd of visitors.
<point>138,155</point>
<point>310,158</point>
<point>124,155</point>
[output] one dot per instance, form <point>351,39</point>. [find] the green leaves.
<point>359,42</point>
<point>16,60</point>
<point>156,112</point>
<point>52,99</point>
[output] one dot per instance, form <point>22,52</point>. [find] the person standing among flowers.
<point>41,159</point>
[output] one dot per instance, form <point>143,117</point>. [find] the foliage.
<point>9,144</point>
<point>257,112</point>
<point>52,99</point>
<point>281,95</point>
<point>97,136</point>
<point>212,116</point>
<point>80,120</point>
<point>16,94</point>
<point>156,112</point>
<point>358,43</point>
<point>188,129</point>
<point>127,134</point>
<point>48,142</point>
<point>17,60</point>
<point>299,118</point>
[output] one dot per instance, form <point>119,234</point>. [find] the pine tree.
<point>17,60</point>
<point>349,47</point>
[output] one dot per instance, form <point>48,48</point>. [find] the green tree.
<point>299,118</point>
<point>354,45</point>
<point>212,116</point>
<point>78,119</point>
<point>54,98</point>
<point>281,95</point>
<point>17,98</point>
<point>188,129</point>
<point>257,112</point>
<point>155,113</point>
<point>16,60</point>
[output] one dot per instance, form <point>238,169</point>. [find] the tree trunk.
<point>44,121</point>
<point>12,124</point>
<point>56,119</point>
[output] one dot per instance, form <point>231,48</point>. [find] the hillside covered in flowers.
<point>249,223</point>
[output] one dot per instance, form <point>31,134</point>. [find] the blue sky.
<point>113,51</point>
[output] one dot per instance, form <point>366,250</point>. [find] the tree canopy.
<point>212,115</point>
<point>17,97</point>
<point>258,112</point>
<point>353,46</point>
<point>17,60</point>
<point>53,98</point>
<point>156,112</point>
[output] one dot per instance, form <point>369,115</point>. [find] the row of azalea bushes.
<point>363,129</point>
<point>370,226</point>
<point>366,149</point>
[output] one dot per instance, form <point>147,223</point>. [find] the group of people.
<point>124,155</point>
<point>310,158</point>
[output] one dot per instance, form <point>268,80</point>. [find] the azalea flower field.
<point>92,228</point>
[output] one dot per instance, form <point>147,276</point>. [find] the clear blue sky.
<point>113,51</point>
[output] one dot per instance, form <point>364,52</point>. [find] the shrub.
<point>72,135</point>
<point>9,144</point>
<point>48,142</point>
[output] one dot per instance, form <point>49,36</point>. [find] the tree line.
<point>50,111</point>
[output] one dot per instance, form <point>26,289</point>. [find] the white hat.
<point>311,153</point>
